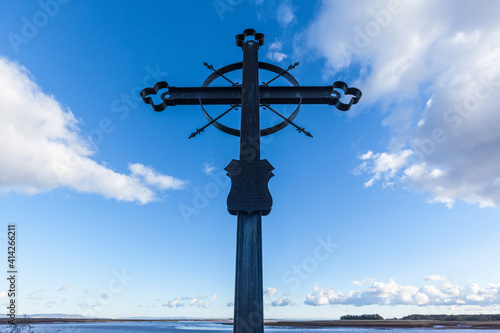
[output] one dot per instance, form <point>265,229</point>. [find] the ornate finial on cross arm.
<point>240,39</point>
<point>147,92</point>
<point>347,91</point>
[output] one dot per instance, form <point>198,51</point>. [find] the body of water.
<point>192,327</point>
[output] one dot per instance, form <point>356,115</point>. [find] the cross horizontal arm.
<point>268,95</point>
<point>232,95</point>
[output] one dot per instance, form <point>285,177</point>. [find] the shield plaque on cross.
<point>249,192</point>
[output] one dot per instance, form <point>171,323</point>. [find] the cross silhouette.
<point>249,197</point>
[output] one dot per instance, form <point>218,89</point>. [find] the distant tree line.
<point>362,317</point>
<point>479,317</point>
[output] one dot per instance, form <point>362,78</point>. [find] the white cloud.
<point>274,52</point>
<point>208,169</point>
<point>286,13</point>
<point>435,278</point>
<point>191,301</point>
<point>270,291</point>
<point>155,179</point>
<point>36,295</point>
<point>436,75</point>
<point>175,303</point>
<point>278,300</point>
<point>3,294</point>
<point>66,287</point>
<point>42,148</point>
<point>391,293</point>
<point>364,281</point>
<point>281,302</point>
<point>202,304</point>
<point>384,166</point>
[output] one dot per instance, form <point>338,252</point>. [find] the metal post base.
<point>249,306</point>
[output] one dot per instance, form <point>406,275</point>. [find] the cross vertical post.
<point>249,197</point>
<point>248,303</point>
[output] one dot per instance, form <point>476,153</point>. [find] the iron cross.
<point>249,197</point>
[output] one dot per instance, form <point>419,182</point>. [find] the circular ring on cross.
<point>262,65</point>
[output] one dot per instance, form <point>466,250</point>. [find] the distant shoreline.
<point>495,325</point>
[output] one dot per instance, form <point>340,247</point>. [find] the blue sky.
<point>391,208</point>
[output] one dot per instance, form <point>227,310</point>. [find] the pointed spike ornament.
<point>198,131</point>
<point>300,129</point>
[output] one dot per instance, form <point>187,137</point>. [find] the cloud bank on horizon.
<point>434,69</point>
<point>43,148</point>
<point>199,301</point>
<point>391,293</point>
<point>440,293</point>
